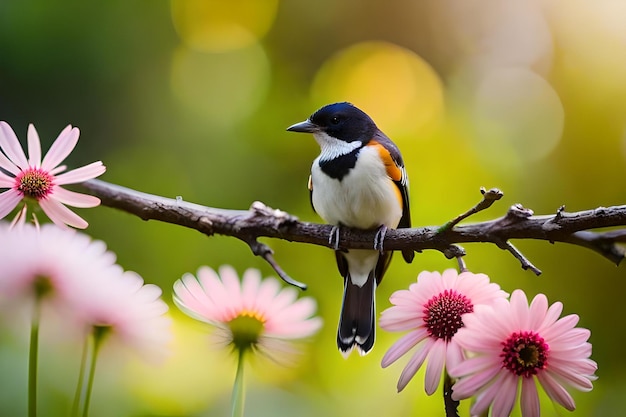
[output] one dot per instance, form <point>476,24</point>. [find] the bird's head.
<point>338,122</point>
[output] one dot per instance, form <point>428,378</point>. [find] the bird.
<point>357,181</point>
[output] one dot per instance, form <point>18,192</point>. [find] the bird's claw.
<point>379,238</point>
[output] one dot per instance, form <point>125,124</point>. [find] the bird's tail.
<point>357,321</point>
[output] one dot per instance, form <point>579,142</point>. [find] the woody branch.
<point>262,221</point>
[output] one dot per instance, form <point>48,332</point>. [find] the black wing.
<point>397,172</point>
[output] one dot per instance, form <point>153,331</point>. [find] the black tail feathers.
<point>357,323</point>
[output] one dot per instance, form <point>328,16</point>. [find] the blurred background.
<point>191,98</point>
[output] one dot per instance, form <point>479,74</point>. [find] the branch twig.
<point>262,221</point>
<point>489,197</point>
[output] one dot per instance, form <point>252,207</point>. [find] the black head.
<point>342,121</point>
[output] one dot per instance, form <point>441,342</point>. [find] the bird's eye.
<point>334,120</point>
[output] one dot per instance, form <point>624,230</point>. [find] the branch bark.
<point>263,221</point>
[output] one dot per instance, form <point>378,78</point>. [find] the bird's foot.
<point>333,238</point>
<point>379,238</point>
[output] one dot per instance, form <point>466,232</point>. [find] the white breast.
<point>365,198</point>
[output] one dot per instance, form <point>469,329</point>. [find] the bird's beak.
<point>304,127</point>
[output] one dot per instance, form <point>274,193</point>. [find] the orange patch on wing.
<point>393,170</point>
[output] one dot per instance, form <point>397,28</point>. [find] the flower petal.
<point>400,322</point>
<point>268,289</point>
<point>7,164</point>
<point>469,386</point>
<point>301,309</point>
<point>192,300</point>
<point>214,289</point>
<point>34,147</point>
<point>61,215</point>
<point>74,199</point>
<point>297,329</point>
<point>519,310</point>
<point>61,148</point>
<point>538,310</point>
<point>552,315</point>
<point>219,299</point>
<point>11,146</point>
<point>473,365</point>
<point>403,345</point>
<point>585,367</point>
<point>434,367</point>
<point>560,327</point>
<point>81,174</point>
<point>454,354</point>
<point>486,396</point>
<point>504,401</point>
<point>556,391</point>
<point>251,282</point>
<point>8,201</point>
<point>5,180</point>
<point>414,364</point>
<point>574,379</point>
<point>20,218</point>
<point>571,340</point>
<point>530,398</point>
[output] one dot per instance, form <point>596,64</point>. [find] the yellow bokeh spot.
<point>397,88</point>
<point>222,25</point>
<point>223,88</point>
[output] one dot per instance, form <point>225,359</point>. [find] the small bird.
<point>358,181</point>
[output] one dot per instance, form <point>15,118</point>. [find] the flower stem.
<point>451,405</point>
<point>98,336</point>
<point>32,362</point>
<point>81,379</point>
<point>238,398</point>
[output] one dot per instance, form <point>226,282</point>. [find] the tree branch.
<point>262,221</point>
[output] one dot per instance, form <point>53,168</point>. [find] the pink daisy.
<point>251,314</point>
<point>513,343</point>
<point>50,265</point>
<point>128,312</point>
<point>66,270</point>
<point>434,309</point>
<point>41,180</point>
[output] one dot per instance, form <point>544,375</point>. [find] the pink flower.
<point>76,276</point>
<point>515,343</point>
<point>50,265</point>
<point>252,314</point>
<point>128,311</point>
<point>434,309</point>
<point>41,180</point>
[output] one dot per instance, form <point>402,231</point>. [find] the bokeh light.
<point>218,25</point>
<point>221,88</point>
<point>594,59</point>
<point>501,34</point>
<point>518,117</point>
<point>392,84</point>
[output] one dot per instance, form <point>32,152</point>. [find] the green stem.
<point>81,378</point>
<point>239,388</point>
<point>32,361</point>
<point>98,336</point>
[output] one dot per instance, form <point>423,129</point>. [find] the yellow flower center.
<point>42,286</point>
<point>34,183</point>
<point>246,329</point>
